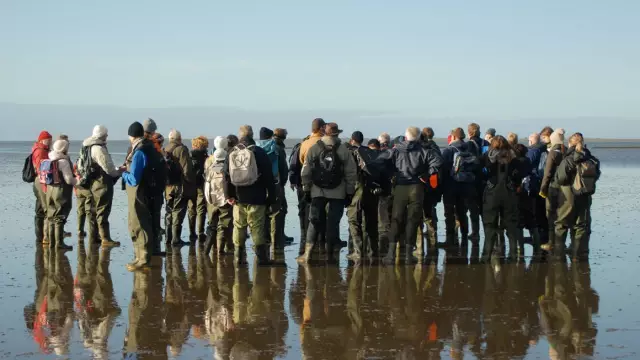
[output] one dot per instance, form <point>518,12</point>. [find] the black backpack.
<point>156,171</point>
<point>28,171</point>
<point>365,157</point>
<point>173,170</point>
<point>85,167</point>
<point>295,166</point>
<point>327,172</point>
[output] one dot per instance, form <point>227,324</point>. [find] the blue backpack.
<point>49,173</point>
<point>271,148</point>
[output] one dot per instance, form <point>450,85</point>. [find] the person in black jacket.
<point>432,195</point>
<point>197,205</point>
<point>455,193</point>
<point>251,203</point>
<point>504,176</point>
<point>474,200</point>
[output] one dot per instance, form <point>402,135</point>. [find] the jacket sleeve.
<point>227,186</point>
<point>266,174</point>
<point>350,171</point>
<point>435,162</point>
<point>534,158</point>
<point>305,173</point>
<point>549,172</point>
<point>138,163</point>
<point>564,170</point>
<point>184,159</point>
<point>104,160</point>
<point>283,168</point>
<point>67,173</point>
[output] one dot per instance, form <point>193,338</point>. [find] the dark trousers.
<point>455,207</point>
<point>501,208</point>
<point>407,213</point>
<point>363,222</point>
<point>176,210</point>
<point>474,205</point>
<point>324,218</point>
<point>303,216</point>
<point>385,207</point>
<point>155,206</point>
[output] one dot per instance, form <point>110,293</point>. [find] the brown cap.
<point>317,124</point>
<point>332,129</point>
<point>280,133</point>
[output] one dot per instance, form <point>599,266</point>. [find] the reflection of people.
<point>33,311</point>
<point>176,298</point>
<point>57,314</point>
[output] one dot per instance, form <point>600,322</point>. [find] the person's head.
<point>245,132</point>
<point>175,136</point>
<point>200,143</point>
<point>473,130</point>
<point>457,135</point>
<point>136,131</point>
<point>534,139</point>
<point>45,138</point>
<point>374,144</point>
<point>427,134</point>
<point>157,138</point>
<point>500,143</point>
<point>384,138</point>
<point>450,138</point>
<point>512,138</point>
<point>545,134</point>
<point>490,134</point>
<point>557,137</point>
<point>100,132</point>
<point>317,126</point>
<point>357,138</point>
<point>64,137</point>
<point>412,134</point>
<point>520,150</point>
<point>265,133</point>
<point>61,146</point>
<point>221,143</point>
<point>280,134</point>
<point>577,141</point>
<point>332,129</point>
<point>149,126</point>
<point>232,141</point>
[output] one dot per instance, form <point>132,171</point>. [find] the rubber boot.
<point>536,241</point>
<point>262,255</point>
<point>355,254</point>
<point>209,244</point>
<point>390,258</point>
<point>410,259</point>
<point>419,252</point>
<point>240,255</point>
<point>39,226</point>
<point>306,257</point>
<point>59,236</point>
<point>432,233</point>
<point>475,232</point>
<point>193,236</point>
<point>51,235</point>
<point>176,240</point>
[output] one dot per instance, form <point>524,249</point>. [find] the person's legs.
<point>213,215</point>
<point>40,212</point>
<point>201,209</point>
<point>370,224</point>
<point>256,218</point>
<point>240,223</point>
<point>582,210</point>
<point>177,217</point>
<point>490,218</point>
<point>317,226</point>
<point>303,215</point>
<point>102,190</point>
<point>224,229</point>
<point>332,228</point>
<point>168,216</point>
<point>354,217</point>
<point>82,203</point>
<point>414,211</point>
<point>398,221</point>
<point>565,218</point>
<point>385,205</point>
<point>449,200</point>
<point>192,216</point>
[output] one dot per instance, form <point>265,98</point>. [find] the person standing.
<point>474,200</point>
<point>249,186</point>
<point>433,192</point>
<point>220,213</point>
<point>537,150</point>
<point>278,237</point>
<point>180,187</point>
<point>549,188</point>
<point>144,178</point>
<point>56,175</point>
<point>86,210</point>
<point>150,133</point>
<point>197,205</point>
<point>39,152</point>
<point>104,174</point>
<point>329,177</point>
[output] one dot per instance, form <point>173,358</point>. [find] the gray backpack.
<point>243,169</point>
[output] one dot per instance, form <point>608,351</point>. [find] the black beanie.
<point>266,134</point>
<point>136,130</point>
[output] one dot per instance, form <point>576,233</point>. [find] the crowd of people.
<point>390,189</point>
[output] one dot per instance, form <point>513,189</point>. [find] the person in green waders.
<point>145,181</point>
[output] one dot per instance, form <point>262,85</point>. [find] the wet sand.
<point>85,304</point>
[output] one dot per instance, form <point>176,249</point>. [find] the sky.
<point>378,63</point>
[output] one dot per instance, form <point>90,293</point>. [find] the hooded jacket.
<point>40,152</point>
<point>413,162</point>
<point>198,158</point>
<point>181,155</point>
<point>100,156</point>
<point>476,144</point>
<point>500,161</point>
<point>263,192</point>
<point>64,166</point>
<point>556,154</point>
<point>447,158</point>
<point>534,154</point>
<point>567,170</point>
<point>283,167</point>
<point>350,171</point>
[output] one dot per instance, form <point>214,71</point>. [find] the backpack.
<point>174,171</point>
<point>213,188</point>
<point>156,169</point>
<point>587,174</point>
<point>479,150</point>
<point>84,166</point>
<point>271,148</point>
<point>364,158</point>
<point>197,163</point>
<point>243,169</point>
<point>327,172</point>
<point>464,167</point>
<point>295,166</point>
<point>28,171</point>
<point>49,173</point>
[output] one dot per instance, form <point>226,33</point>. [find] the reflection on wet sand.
<point>447,307</point>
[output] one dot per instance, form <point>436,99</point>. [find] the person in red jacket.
<point>40,152</point>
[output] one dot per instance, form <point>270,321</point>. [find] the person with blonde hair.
<point>513,139</point>
<point>197,205</point>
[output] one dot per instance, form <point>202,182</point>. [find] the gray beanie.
<point>149,126</point>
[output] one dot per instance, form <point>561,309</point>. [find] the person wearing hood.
<point>504,176</point>
<point>59,194</point>
<point>144,188</point>
<point>39,152</point>
<point>549,188</point>
<point>574,211</point>
<point>103,177</point>
<point>455,193</point>
<point>329,176</point>
<point>197,205</point>
<point>250,187</point>
<point>474,199</point>
<point>219,212</point>
<point>433,193</point>
<point>278,237</point>
<point>180,187</point>
<point>414,167</point>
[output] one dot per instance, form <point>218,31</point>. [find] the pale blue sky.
<point>470,59</point>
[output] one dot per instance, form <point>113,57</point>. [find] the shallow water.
<point>85,304</point>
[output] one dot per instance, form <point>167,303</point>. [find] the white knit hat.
<point>61,146</point>
<point>99,132</point>
<point>220,155</point>
<point>221,143</point>
<point>175,135</point>
<point>557,137</point>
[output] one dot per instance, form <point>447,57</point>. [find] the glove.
<point>347,200</point>
<point>433,181</point>
<point>377,191</point>
<point>274,208</point>
<point>307,197</point>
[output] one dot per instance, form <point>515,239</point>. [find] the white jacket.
<point>64,166</point>
<point>100,155</point>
